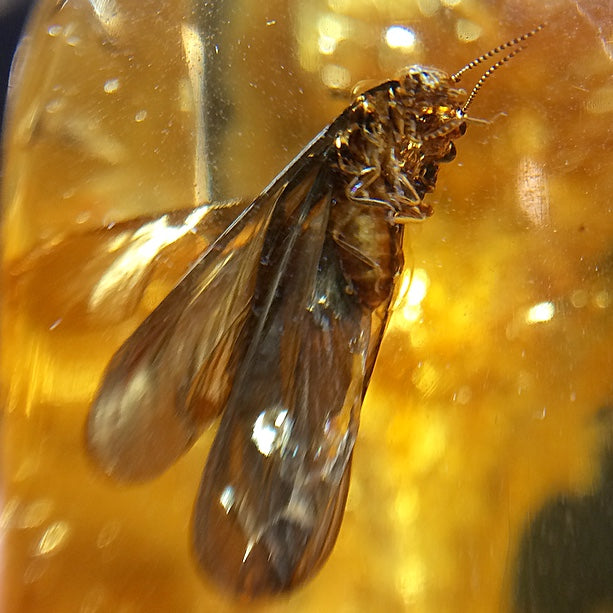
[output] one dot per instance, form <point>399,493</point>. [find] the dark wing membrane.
<point>173,375</point>
<point>274,488</point>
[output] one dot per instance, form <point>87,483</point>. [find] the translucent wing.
<point>146,413</point>
<point>117,266</point>
<point>175,372</point>
<point>274,488</point>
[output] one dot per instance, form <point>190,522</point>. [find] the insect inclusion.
<point>277,327</point>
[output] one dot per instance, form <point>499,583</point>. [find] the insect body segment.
<point>387,162</point>
<point>386,151</point>
<point>277,327</point>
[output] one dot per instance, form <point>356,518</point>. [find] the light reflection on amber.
<point>53,539</point>
<point>601,101</point>
<point>36,513</point>
<point>145,245</point>
<point>533,191</point>
<point>489,376</point>
<point>539,313</point>
<point>108,14</point>
<point>335,76</point>
<point>193,97</point>
<point>413,290</point>
<point>400,37</point>
<point>467,31</point>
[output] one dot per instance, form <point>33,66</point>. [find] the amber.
<point>486,400</point>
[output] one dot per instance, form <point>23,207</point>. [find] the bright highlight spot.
<point>413,289</point>
<point>334,26</point>
<point>335,77</point>
<point>111,86</point>
<point>140,250</point>
<point>426,378</point>
<point>227,498</point>
<point>327,44</point>
<point>418,287</point>
<point>428,7</point>
<point>544,311</point>
<point>412,579</point>
<point>54,537</point>
<point>467,31</point>
<point>271,430</point>
<point>533,191</point>
<point>400,37</point>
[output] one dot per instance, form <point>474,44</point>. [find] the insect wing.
<point>174,374</point>
<point>99,277</point>
<point>153,401</point>
<point>274,488</point>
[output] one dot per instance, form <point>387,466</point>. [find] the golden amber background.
<point>497,360</point>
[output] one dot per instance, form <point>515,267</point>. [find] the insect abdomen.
<point>370,249</point>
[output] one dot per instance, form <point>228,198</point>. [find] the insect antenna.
<point>515,42</point>
<point>455,77</point>
<point>486,75</point>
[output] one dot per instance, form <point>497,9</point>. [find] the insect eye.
<point>430,173</point>
<point>450,155</point>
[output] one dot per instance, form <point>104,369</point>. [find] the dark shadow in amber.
<point>566,558</point>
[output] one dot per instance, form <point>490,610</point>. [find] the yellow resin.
<point>497,359</point>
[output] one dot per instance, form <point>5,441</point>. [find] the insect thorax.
<point>394,138</point>
<point>389,144</point>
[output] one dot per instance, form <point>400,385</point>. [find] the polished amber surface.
<point>486,397</point>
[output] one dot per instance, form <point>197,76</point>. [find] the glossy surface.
<point>497,361</point>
